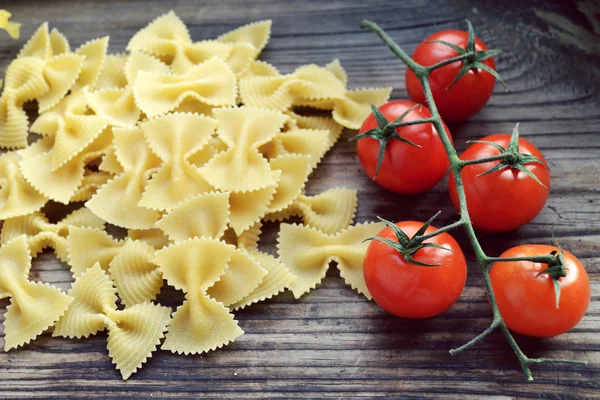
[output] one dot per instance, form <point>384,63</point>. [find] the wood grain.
<point>333,343</point>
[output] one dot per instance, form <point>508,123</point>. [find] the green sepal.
<point>385,132</point>
<point>556,271</point>
<point>514,159</point>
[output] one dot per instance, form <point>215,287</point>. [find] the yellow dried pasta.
<point>133,333</point>
<point>154,237</point>
<point>211,83</point>
<point>17,196</point>
<point>91,182</point>
<point>112,74</point>
<point>306,83</point>
<point>329,212</point>
<point>294,169</point>
<point>200,324</point>
<point>40,233</point>
<point>11,27</point>
<point>72,127</point>
<point>307,252</point>
<point>175,138</point>
<point>117,202</point>
<point>62,183</point>
<point>34,306</point>
<point>168,38</point>
<point>114,100</point>
<point>241,167</point>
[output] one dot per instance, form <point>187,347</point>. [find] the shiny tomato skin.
<point>527,302</point>
<point>412,291</point>
<point>505,200</point>
<point>405,169</point>
<point>467,96</point>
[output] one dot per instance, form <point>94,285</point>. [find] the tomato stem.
<point>456,165</point>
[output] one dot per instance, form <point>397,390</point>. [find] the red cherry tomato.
<point>506,199</point>
<point>527,302</point>
<point>405,169</point>
<point>409,290</point>
<point>467,96</point>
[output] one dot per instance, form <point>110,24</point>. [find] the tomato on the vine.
<point>409,290</point>
<point>527,299</point>
<point>503,200</point>
<point>405,169</point>
<point>466,96</point>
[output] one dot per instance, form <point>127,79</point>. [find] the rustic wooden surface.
<point>333,343</point>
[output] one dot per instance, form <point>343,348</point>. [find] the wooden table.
<point>332,342</point>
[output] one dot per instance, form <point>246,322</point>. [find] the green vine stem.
<point>456,165</point>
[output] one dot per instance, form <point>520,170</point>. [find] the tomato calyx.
<point>510,157</point>
<point>409,246</point>
<point>556,270</point>
<point>386,131</point>
<point>470,57</point>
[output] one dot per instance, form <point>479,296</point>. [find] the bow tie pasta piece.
<point>307,253</point>
<point>41,233</point>
<point>72,126</point>
<point>295,169</point>
<point>200,324</point>
<point>211,83</point>
<point>117,202</point>
<point>175,138</point>
<point>11,27</point>
<point>34,306</point>
<point>116,103</point>
<point>329,212</point>
<point>153,237</point>
<point>17,196</point>
<point>260,68</point>
<point>60,184</point>
<point>110,163</point>
<point>256,34</point>
<point>247,240</point>
<point>162,37</point>
<point>135,274</point>
<point>306,83</point>
<point>237,56</point>
<point>88,246</point>
<point>133,333</point>
<point>277,279</point>
<point>241,167</point>
<point>205,215</point>
<point>247,208</point>
<point>112,74</point>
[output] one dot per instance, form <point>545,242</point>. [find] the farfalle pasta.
<point>329,212</point>
<point>40,233</point>
<point>241,167</point>
<point>34,306</point>
<point>188,145</point>
<point>11,27</point>
<point>168,38</point>
<point>133,333</point>
<point>113,98</point>
<point>201,323</point>
<point>174,138</point>
<point>211,84</point>
<point>117,202</point>
<point>307,252</point>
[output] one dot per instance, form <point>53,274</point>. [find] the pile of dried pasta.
<point>188,146</point>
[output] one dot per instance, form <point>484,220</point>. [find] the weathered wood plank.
<point>333,343</point>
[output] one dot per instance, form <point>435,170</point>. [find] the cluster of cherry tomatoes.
<point>500,201</point>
